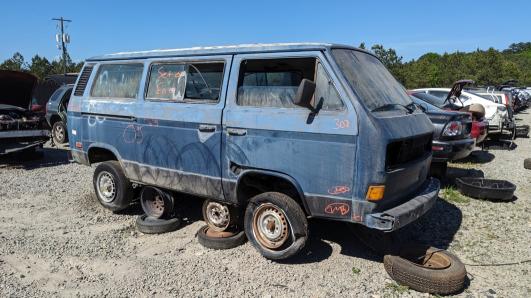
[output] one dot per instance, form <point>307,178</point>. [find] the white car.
<point>496,114</point>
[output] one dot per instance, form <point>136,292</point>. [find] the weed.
<point>356,270</point>
<point>452,195</point>
<point>396,288</point>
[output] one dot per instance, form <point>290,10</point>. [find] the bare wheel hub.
<point>270,226</point>
<point>217,216</point>
<point>155,206</point>
<point>106,187</point>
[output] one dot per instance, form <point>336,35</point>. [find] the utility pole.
<point>65,38</point>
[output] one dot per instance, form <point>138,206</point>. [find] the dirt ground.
<point>56,240</point>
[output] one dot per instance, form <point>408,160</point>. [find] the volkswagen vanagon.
<point>279,132</point>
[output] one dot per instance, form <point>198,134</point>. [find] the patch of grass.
<point>462,165</point>
<point>396,288</point>
<point>451,194</point>
<point>356,270</point>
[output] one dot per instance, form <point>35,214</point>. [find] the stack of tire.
<point>159,217</point>
<point>222,230</point>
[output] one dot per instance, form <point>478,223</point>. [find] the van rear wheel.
<point>113,189</point>
<point>276,225</point>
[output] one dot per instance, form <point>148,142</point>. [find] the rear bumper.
<point>452,150</point>
<point>401,215</point>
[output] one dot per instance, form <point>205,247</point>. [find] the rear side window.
<point>185,82</point>
<point>117,81</point>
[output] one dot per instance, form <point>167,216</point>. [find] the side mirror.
<point>304,94</point>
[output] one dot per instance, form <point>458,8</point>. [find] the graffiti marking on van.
<point>339,189</point>
<point>342,123</point>
<point>337,208</point>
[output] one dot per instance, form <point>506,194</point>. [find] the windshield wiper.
<point>410,108</point>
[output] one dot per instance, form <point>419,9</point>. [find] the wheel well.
<point>96,154</point>
<point>252,184</point>
<point>54,119</point>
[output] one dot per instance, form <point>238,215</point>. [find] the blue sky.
<point>411,27</point>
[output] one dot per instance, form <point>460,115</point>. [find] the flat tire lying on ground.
<point>150,225</point>
<point>113,189</point>
<point>220,240</point>
<point>527,163</point>
<point>427,269</point>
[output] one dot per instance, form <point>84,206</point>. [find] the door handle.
<point>237,131</point>
<point>207,128</point>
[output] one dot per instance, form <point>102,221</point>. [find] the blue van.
<point>278,132</point>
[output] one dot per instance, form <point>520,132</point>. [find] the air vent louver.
<point>83,80</point>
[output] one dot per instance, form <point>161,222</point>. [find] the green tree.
<point>40,66</point>
<point>14,63</point>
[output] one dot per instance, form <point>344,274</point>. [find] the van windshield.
<point>370,80</point>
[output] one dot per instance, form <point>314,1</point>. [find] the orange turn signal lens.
<point>375,192</point>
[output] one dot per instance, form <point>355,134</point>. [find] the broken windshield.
<point>372,82</point>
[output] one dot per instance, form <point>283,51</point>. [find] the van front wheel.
<point>113,189</point>
<point>276,225</point>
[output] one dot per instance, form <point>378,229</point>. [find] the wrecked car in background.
<point>56,113</point>
<point>21,130</point>
<point>276,132</point>
<point>451,138</point>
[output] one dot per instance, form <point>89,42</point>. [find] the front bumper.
<point>452,150</point>
<point>401,215</point>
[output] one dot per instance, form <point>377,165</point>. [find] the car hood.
<point>457,88</point>
<point>16,88</point>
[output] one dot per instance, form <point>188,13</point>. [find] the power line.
<point>64,37</point>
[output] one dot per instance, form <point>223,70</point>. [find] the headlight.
<point>452,129</point>
<point>502,108</point>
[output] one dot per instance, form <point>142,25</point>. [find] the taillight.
<point>452,129</point>
<point>507,103</point>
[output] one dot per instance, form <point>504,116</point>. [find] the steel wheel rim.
<point>155,206</point>
<point>106,187</point>
<point>59,132</point>
<point>217,216</point>
<point>270,226</point>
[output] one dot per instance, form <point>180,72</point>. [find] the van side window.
<point>326,95</point>
<point>117,81</point>
<point>185,82</point>
<point>274,83</point>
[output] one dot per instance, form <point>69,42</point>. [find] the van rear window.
<point>117,80</point>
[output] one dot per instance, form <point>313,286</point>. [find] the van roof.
<point>220,50</point>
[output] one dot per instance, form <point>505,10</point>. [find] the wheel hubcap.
<point>217,216</point>
<point>270,226</point>
<point>106,187</point>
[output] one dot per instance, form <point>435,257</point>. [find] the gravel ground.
<point>56,240</point>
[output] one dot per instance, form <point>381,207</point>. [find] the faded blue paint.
<point>331,158</point>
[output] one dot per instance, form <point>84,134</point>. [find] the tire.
<point>226,240</point>
<point>527,163</point>
<point>442,272</point>
<point>439,169</point>
<point>121,194</point>
<point>291,221</point>
<point>59,133</point>
<point>149,225</point>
